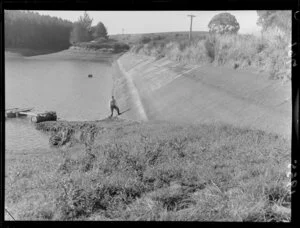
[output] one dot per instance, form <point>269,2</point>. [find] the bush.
<point>101,39</point>
<point>183,44</point>
<point>158,38</point>
<point>145,40</point>
<point>118,47</point>
<point>210,48</point>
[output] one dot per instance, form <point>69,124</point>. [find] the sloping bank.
<point>162,90</point>
<point>165,90</point>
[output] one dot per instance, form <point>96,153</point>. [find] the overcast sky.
<point>158,21</point>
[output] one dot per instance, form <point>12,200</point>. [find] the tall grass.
<point>159,171</point>
<point>267,53</point>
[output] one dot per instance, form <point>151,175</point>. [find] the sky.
<point>158,21</point>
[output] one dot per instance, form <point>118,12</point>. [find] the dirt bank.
<point>205,94</point>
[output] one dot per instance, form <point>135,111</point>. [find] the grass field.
<point>123,170</point>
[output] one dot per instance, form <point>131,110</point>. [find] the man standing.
<point>113,105</point>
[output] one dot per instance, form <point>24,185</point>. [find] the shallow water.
<point>53,85</point>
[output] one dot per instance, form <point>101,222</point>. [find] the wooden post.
<point>190,35</point>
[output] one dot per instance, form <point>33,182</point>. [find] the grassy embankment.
<point>268,53</point>
<point>124,170</point>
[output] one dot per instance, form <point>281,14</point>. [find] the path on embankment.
<point>165,90</point>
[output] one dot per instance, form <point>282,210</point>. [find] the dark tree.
<point>82,29</point>
<point>79,33</point>
<point>100,31</point>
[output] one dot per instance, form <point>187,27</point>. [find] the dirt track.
<point>203,94</point>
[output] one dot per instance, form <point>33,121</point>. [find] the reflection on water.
<point>53,85</point>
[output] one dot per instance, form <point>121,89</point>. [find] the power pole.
<point>190,35</point>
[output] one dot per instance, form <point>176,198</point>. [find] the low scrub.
<point>162,171</point>
<point>104,44</point>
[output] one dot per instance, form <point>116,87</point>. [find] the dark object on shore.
<point>16,112</point>
<point>47,116</point>
<point>90,75</point>
<point>11,114</point>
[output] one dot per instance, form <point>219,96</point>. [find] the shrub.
<point>101,39</point>
<point>118,47</point>
<point>158,37</point>
<point>210,48</point>
<point>145,40</point>
<point>183,44</point>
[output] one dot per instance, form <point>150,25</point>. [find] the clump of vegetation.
<point>86,36</point>
<point>223,23</point>
<point>108,45</point>
<point>160,171</point>
<point>83,31</point>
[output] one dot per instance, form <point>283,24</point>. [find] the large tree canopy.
<point>275,18</point>
<point>223,23</point>
<point>100,31</point>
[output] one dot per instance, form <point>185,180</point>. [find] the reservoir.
<point>55,82</point>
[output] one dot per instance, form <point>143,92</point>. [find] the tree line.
<point>26,29</point>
